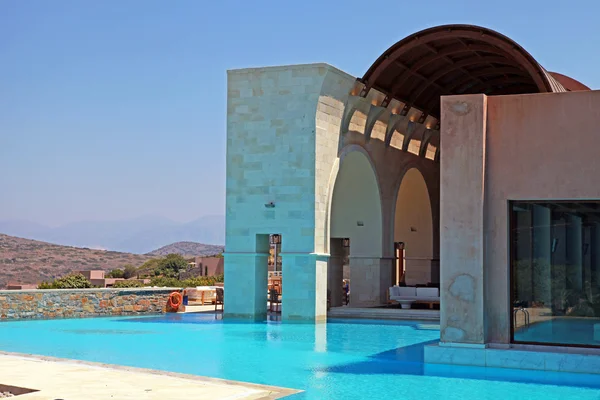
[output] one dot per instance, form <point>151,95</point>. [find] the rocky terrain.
<point>29,261</point>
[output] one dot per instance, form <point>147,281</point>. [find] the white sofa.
<point>406,295</point>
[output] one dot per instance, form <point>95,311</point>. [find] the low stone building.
<point>204,266</point>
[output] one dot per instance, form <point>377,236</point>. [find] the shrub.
<point>148,268</point>
<point>131,283</point>
<point>129,272</point>
<point>115,273</point>
<point>171,266</point>
<point>71,281</point>
<point>192,282</point>
<point>165,281</point>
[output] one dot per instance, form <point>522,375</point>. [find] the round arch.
<point>413,225</point>
<point>355,210</point>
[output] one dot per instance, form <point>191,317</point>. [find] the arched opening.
<point>413,226</point>
<point>356,216</point>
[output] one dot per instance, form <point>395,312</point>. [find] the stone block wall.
<point>279,152</point>
<point>288,130</point>
<point>76,303</point>
<point>271,156</point>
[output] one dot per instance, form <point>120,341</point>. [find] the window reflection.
<point>555,262</point>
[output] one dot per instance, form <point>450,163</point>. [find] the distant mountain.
<point>31,261</point>
<point>139,235</point>
<point>188,249</point>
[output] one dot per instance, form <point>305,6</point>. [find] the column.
<point>574,252</point>
<point>595,251</point>
<point>246,275</point>
<point>586,255</point>
<point>462,170</point>
<point>370,279</point>
<point>542,254</point>
<point>304,286</point>
<point>335,272</point>
<point>559,263</point>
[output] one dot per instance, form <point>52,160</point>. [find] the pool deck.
<point>55,378</point>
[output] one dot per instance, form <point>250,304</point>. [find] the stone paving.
<point>74,380</point>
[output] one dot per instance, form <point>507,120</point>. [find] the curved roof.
<point>456,59</point>
<point>569,83</point>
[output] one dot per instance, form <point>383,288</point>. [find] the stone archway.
<point>413,225</point>
<point>356,214</point>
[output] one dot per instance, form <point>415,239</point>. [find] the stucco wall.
<point>356,199</point>
<point>74,303</point>
<point>414,227</point>
<point>542,146</point>
<point>462,316</point>
<point>497,149</point>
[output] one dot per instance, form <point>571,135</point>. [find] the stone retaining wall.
<point>75,303</point>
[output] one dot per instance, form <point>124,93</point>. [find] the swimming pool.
<point>566,330</point>
<point>343,359</point>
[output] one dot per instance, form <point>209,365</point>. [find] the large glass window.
<point>555,272</point>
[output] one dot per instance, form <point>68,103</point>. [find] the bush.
<point>171,266</point>
<point>115,273</point>
<point>132,283</point>
<point>71,281</point>
<point>163,281</point>
<point>129,272</point>
<point>148,268</point>
<point>192,282</point>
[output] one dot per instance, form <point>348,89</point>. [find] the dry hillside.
<point>30,261</point>
<point>188,249</point>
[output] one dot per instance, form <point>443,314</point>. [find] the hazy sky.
<point>115,109</point>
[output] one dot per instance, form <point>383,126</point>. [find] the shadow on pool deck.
<point>409,360</point>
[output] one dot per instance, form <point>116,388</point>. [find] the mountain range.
<point>139,235</point>
<point>29,261</point>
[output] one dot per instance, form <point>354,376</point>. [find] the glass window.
<point>555,272</point>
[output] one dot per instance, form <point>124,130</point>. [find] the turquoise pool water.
<point>344,359</point>
<point>565,330</point>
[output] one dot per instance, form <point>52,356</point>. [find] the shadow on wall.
<point>413,225</point>
<point>356,206</point>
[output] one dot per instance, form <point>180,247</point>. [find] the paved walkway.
<point>74,380</point>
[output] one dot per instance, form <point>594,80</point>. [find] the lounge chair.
<point>407,295</point>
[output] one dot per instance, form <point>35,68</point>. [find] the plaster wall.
<point>356,207</point>
<point>497,149</point>
<point>462,317</point>
<point>540,146</point>
<point>414,227</point>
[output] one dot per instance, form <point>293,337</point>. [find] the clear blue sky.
<point>116,109</point>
